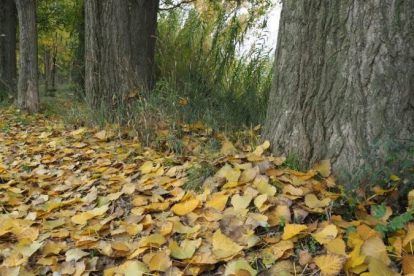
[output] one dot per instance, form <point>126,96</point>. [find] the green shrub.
<point>388,163</point>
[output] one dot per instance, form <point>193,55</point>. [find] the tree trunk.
<point>344,75</point>
<point>8,70</point>
<point>109,74</point>
<point>47,68</point>
<point>143,38</point>
<point>28,95</point>
<point>79,62</point>
<point>54,68</point>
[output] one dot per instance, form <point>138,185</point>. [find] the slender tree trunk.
<point>79,62</point>
<point>143,38</point>
<point>8,70</point>
<point>47,68</point>
<point>54,68</point>
<point>344,75</point>
<point>28,90</point>
<point>109,73</point>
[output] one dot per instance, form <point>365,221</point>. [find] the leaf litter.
<point>83,202</point>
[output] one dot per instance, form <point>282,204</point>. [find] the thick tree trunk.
<point>143,38</point>
<point>344,75</point>
<point>28,95</point>
<point>8,70</point>
<point>109,73</point>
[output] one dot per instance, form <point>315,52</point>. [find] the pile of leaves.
<point>94,202</point>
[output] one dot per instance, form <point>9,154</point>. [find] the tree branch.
<point>177,5</point>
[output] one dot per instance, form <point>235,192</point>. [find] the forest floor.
<point>81,201</point>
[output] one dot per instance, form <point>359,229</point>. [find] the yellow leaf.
<point>374,247</point>
<point>276,251</point>
<point>379,268</point>
<point>227,148</point>
<point>292,230</point>
<point>84,217</point>
<point>366,232</point>
<point>223,246</point>
<point>186,251</point>
<point>160,262</point>
<point>218,202</point>
<point>395,178</point>
<point>185,207</point>
<point>336,246</point>
<point>326,235</point>
<point>408,264</point>
<point>135,268</point>
<point>146,168</point>
<point>281,214</point>
<point>182,229</point>
<point>410,234</point>
<point>155,240</point>
<point>260,200</point>
<point>235,266</point>
<point>75,254</point>
<point>330,264</point>
<point>313,202</point>
<point>265,188</point>
<point>241,202</point>
<point>410,198</point>
<point>323,167</point>
<point>101,135</point>
<point>249,175</point>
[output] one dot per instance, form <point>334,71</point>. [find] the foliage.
<point>389,164</point>
<point>198,57</point>
<point>59,24</point>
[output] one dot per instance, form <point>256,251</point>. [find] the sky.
<point>273,23</point>
<point>270,35</point>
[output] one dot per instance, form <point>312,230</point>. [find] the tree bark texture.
<point>143,38</point>
<point>8,67</point>
<point>109,72</point>
<point>344,75</point>
<point>28,95</point>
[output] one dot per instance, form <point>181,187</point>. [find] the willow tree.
<point>344,76</point>
<point>28,88</point>
<point>8,71</point>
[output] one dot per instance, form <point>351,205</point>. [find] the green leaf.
<point>399,222</point>
<point>382,229</point>
<point>380,211</point>
<point>349,230</point>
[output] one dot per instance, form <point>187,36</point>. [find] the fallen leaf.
<point>291,230</point>
<point>330,264</point>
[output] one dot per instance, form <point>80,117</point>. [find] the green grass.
<point>197,175</point>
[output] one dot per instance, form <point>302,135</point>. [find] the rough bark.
<point>8,67</point>
<point>344,75</point>
<point>108,69</point>
<point>143,38</point>
<point>28,95</point>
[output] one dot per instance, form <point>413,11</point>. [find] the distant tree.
<point>8,70</point>
<point>344,76</point>
<point>28,90</point>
